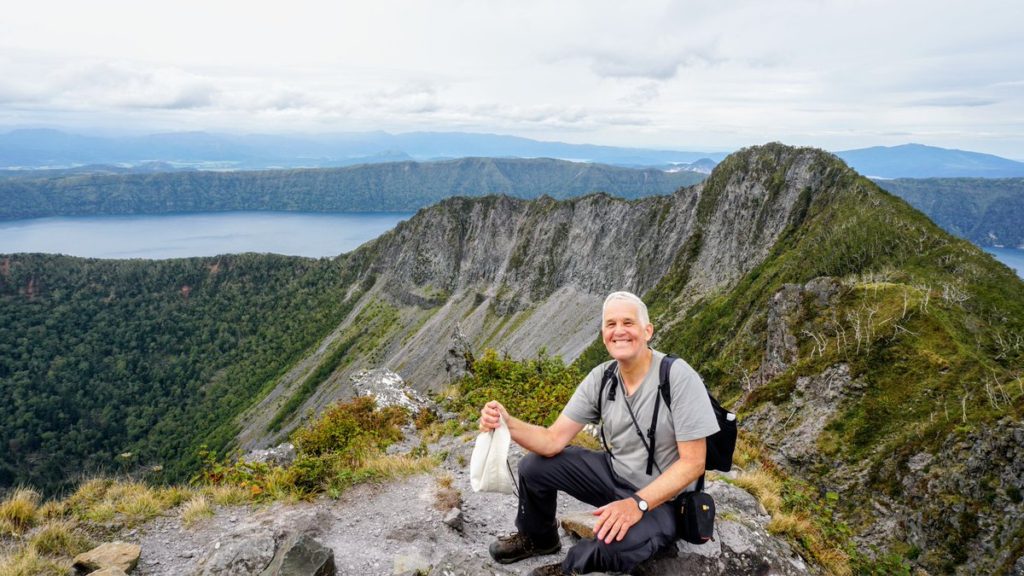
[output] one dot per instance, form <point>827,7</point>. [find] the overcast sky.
<point>708,75</point>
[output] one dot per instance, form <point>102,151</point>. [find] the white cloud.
<point>832,73</point>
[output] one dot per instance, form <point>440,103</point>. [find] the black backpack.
<point>720,445</point>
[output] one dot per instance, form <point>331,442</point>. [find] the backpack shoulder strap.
<point>664,386</point>
<point>607,378</point>
<point>664,389</point>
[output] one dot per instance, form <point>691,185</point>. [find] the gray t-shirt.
<point>690,418</point>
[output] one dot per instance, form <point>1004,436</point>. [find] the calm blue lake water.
<point>206,234</point>
<point>1012,257</point>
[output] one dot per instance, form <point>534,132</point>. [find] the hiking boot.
<point>549,570</point>
<point>516,547</point>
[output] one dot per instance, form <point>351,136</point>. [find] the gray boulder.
<point>301,555</point>
<point>281,455</point>
<point>241,557</point>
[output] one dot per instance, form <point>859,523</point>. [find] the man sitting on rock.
<point>635,512</point>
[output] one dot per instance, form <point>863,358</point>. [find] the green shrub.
<point>347,428</point>
<point>532,390</point>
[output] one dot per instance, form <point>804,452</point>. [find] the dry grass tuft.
<point>764,486</point>
<point>53,510</point>
<point>196,509</point>
<point>139,503</point>
<point>447,496</point>
<point>835,561</point>
<point>746,454</point>
<point>60,538</point>
<point>18,512</point>
<point>793,525</point>
<point>28,562</point>
<point>227,494</point>
<point>801,529</point>
<point>173,496</point>
<point>397,465</point>
<point>99,512</point>
<point>89,494</point>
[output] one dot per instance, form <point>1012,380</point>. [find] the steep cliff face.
<point>522,276</point>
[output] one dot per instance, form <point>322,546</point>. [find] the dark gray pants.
<point>587,476</point>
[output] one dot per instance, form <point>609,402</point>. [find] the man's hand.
<point>489,415</point>
<point>616,518</point>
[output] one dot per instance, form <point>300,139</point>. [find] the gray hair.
<point>641,308</point>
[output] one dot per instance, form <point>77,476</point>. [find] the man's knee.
<point>620,556</point>
<point>531,465</point>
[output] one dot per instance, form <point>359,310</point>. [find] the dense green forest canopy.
<point>988,212</point>
<point>100,358</point>
<point>391,187</point>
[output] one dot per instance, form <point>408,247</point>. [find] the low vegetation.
<point>807,517</point>
<point>344,446</point>
<point>533,390</point>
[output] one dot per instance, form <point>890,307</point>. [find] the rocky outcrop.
<point>287,553</point>
<point>388,389</point>
<point>458,357</point>
<point>301,555</point>
<point>281,455</point>
<point>780,350</point>
<point>944,496</point>
<point>120,555</point>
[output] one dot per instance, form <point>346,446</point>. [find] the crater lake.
<point>163,236</point>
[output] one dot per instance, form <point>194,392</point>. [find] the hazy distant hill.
<point>988,212</point>
<point>401,187</point>
<point>919,161</point>
<point>52,148</point>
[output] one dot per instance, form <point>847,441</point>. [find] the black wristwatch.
<point>641,503</point>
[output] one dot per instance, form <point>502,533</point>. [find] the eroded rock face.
<point>943,492</point>
<point>796,429</point>
<point>519,276</point>
<point>781,343</point>
<point>457,358</point>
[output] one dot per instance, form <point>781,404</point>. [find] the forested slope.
<point>153,358</point>
<point>988,212</point>
<point>395,187</point>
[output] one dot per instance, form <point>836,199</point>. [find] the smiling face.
<point>623,334</point>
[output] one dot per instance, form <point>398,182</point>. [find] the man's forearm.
<point>665,487</point>
<point>537,439</point>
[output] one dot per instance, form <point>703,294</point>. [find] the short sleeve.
<point>582,407</point>
<point>692,413</point>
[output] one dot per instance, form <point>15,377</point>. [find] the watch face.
<point>643,505</point>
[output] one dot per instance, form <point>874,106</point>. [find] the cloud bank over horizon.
<point>834,74</point>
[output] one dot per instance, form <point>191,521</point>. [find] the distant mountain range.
<point>919,161</point>
<point>35,149</point>
<point>54,149</point>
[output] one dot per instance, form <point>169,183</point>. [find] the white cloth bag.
<point>488,468</point>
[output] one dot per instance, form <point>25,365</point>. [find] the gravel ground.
<point>373,529</point>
